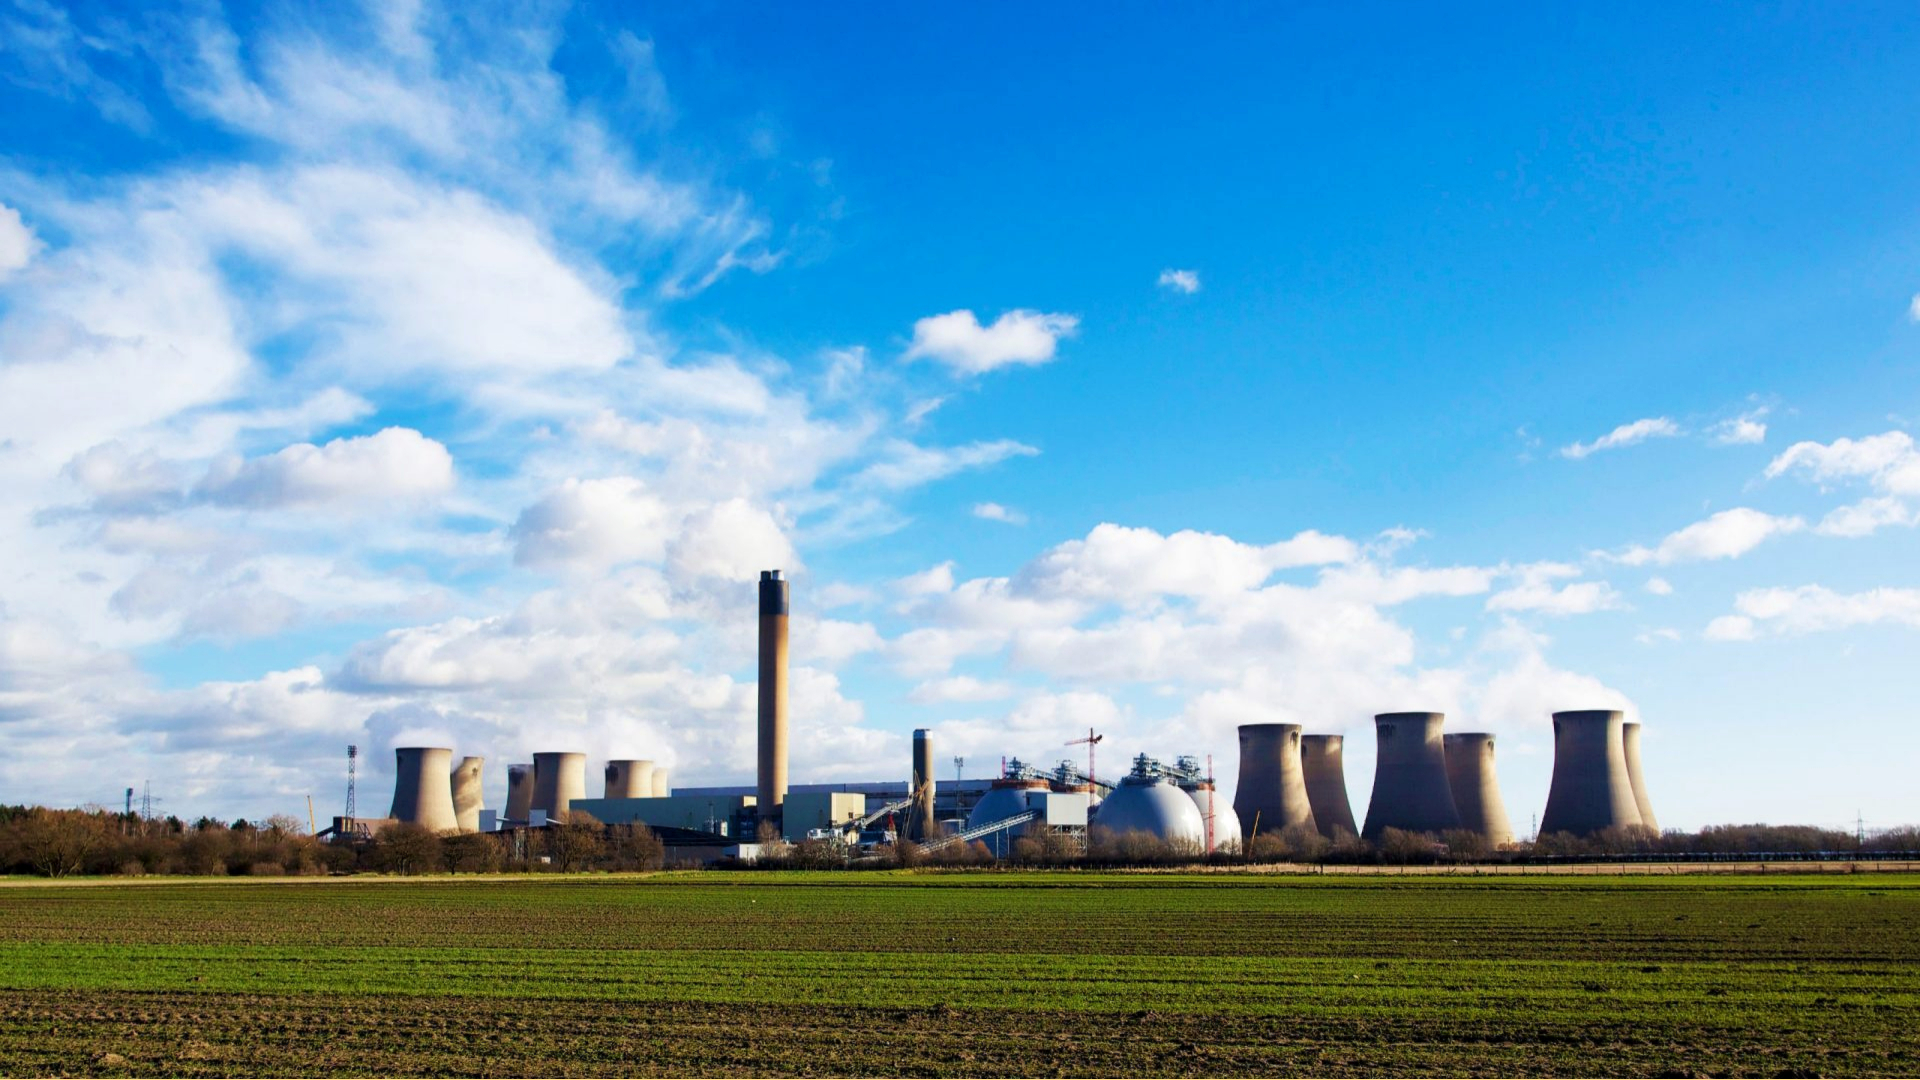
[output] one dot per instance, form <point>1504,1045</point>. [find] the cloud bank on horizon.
<point>379,387</point>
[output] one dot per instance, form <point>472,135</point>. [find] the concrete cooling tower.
<point>519,791</point>
<point>558,779</point>
<point>1476,790</point>
<point>1326,779</point>
<point>467,796</point>
<point>773,694</point>
<point>1630,745</point>
<point>920,820</point>
<point>423,787</point>
<point>1591,789</point>
<point>1223,830</point>
<point>1145,802</point>
<point>1410,788</point>
<point>1272,793</point>
<point>629,779</point>
<point>661,776</point>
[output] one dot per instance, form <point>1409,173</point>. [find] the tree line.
<point>62,843</point>
<point>65,843</point>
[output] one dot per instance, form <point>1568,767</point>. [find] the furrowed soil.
<point>966,974</point>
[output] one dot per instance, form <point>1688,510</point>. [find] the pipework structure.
<point>467,795</point>
<point>1325,772</point>
<point>1476,789</point>
<point>1410,789</point>
<point>629,779</point>
<point>558,779</point>
<point>423,787</point>
<point>1630,745</point>
<point>1272,792</point>
<point>1592,789</point>
<point>773,694</point>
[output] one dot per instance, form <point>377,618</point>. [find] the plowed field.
<point>940,974</point>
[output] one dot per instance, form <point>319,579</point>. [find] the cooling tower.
<point>773,694</point>
<point>1410,788</point>
<point>1272,793</point>
<point>920,822</point>
<point>661,774</point>
<point>629,779</point>
<point>558,779</point>
<point>1476,790</point>
<point>519,792</point>
<point>1630,745</point>
<point>423,787</point>
<point>1591,790</point>
<point>467,797</point>
<point>1326,777</point>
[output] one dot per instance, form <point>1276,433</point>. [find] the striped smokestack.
<point>773,694</point>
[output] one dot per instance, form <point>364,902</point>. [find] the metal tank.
<point>1326,778</point>
<point>558,779</point>
<point>519,791</point>
<point>423,787</point>
<point>1410,789</point>
<point>1145,801</point>
<point>1006,798</point>
<point>773,694</point>
<point>629,778</point>
<point>1476,789</point>
<point>920,821</point>
<point>467,796</point>
<point>1630,745</point>
<point>1272,793</point>
<point>1591,789</point>
<point>661,776</point>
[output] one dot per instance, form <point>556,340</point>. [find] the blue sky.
<point>416,374</point>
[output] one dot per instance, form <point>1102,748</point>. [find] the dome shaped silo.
<point>1226,823</point>
<point>1006,798</point>
<point>1148,802</point>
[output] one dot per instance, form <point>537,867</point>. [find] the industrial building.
<point>1424,781</point>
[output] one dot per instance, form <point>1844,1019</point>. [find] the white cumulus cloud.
<point>957,339</point>
<point>1180,281</point>
<point>394,463</point>
<point>1889,461</point>
<point>1812,609</point>
<point>1728,534</point>
<point>1746,429</point>
<point>989,511</point>
<point>1639,431</point>
<point>17,243</point>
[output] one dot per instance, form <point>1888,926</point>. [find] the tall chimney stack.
<point>921,822</point>
<point>773,694</point>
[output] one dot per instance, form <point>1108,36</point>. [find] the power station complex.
<point>1425,781</point>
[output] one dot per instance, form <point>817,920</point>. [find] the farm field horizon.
<point>967,974</point>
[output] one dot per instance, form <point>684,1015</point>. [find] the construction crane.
<point>1092,740</point>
